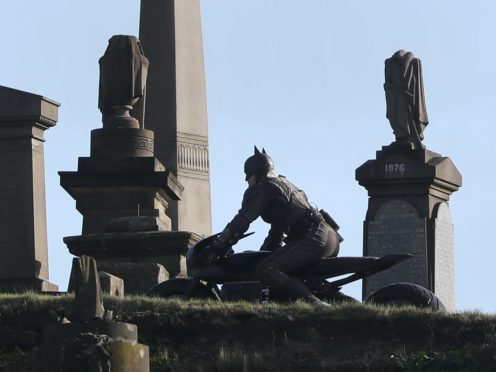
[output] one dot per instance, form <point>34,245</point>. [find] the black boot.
<point>297,289</point>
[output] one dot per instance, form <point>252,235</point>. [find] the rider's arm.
<point>273,240</point>
<point>255,200</point>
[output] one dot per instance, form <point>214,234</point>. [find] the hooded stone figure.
<point>404,90</point>
<point>299,235</point>
<point>123,74</point>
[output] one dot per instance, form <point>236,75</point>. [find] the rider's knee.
<point>270,276</point>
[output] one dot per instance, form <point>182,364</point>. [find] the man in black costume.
<point>299,235</point>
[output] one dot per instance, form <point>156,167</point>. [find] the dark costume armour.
<point>308,237</point>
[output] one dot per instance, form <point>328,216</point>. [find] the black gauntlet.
<point>234,230</point>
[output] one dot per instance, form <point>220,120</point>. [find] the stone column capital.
<point>18,108</point>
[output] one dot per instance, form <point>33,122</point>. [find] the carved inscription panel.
<point>397,229</point>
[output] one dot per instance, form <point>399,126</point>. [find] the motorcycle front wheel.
<point>403,294</point>
<point>183,288</point>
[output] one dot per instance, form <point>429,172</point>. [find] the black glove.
<point>217,251</point>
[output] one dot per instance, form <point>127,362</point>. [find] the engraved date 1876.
<point>395,168</point>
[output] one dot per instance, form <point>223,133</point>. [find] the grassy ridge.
<point>211,336</point>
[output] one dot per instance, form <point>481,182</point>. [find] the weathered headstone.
<point>409,188</point>
<point>23,236</point>
<point>170,32</point>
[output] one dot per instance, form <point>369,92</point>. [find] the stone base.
<point>27,284</point>
<point>138,277</point>
<point>106,188</point>
<point>141,258</point>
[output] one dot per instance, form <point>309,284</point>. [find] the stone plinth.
<point>23,238</point>
<point>408,212</point>
<point>141,258</point>
<point>121,178</point>
<point>176,110</point>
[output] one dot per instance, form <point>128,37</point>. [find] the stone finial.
<point>123,74</point>
<point>404,89</point>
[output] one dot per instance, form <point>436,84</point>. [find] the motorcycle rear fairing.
<point>241,266</point>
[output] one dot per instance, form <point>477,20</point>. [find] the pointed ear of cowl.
<point>257,152</point>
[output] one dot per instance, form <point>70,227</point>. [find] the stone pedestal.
<point>121,178</point>
<point>408,212</point>
<point>123,193</point>
<point>176,110</point>
<point>142,259</point>
<point>23,237</point>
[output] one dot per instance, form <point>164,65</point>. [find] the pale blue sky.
<point>302,79</point>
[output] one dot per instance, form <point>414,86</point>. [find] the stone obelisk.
<point>170,33</point>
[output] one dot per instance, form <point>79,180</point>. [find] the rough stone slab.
<point>111,284</point>
<point>132,244</point>
<point>138,277</point>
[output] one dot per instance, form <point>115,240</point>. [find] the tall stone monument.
<point>122,190</point>
<point>23,236</point>
<point>409,189</point>
<point>121,178</point>
<point>170,32</point>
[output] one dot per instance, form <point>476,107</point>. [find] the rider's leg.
<point>276,269</point>
<point>292,286</point>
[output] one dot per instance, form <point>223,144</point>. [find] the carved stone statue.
<point>123,73</point>
<point>404,89</point>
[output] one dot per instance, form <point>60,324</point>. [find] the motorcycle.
<point>207,269</point>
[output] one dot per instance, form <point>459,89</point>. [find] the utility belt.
<point>301,226</point>
<point>311,219</point>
